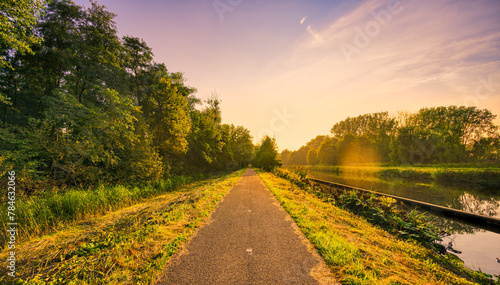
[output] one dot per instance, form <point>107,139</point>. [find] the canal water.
<point>478,248</point>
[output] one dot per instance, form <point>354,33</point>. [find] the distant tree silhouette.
<point>266,156</point>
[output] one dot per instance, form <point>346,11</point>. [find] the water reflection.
<point>471,204</point>
<point>451,226</point>
<point>479,250</point>
<point>466,199</point>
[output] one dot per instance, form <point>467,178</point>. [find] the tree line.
<point>79,105</point>
<point>436,135</point>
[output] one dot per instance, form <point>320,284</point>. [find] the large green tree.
<point>206,142</point>
<point>238,146</point>
<point>327,151</point>
<point>446,134</point>
<point>313,153</point>
<point>88,107</point>
<point>371,132</point>
<point>17,21</point>
<point>166,109</point>
<point>266,155</point>
<point>431,135</point>
<point>70,106</point>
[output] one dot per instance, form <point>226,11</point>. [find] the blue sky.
<point>294,68</point>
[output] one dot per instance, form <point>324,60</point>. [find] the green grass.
<point>53,210</point>
<point>128,246</point>
<point>359,253</point>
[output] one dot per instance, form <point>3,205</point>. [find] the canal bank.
<point>357,251</point>
<point>478,248</point>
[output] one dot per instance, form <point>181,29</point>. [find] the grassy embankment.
<point>473,175</point>
<point>359,253</point>
<point>128,246</point>
<point>55,209</point>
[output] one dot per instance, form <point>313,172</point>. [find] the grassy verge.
<point>53,210</point>
<point>129,246</point>
<point>359,253</point>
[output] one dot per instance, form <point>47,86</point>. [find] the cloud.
<point>354,16</point>
<point>303,20</point>
<point>436,41</point>
<point>316,36</point>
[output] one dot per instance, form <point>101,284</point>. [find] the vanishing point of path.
<point>250,239</point>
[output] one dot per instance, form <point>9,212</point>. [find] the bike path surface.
<point>250,239</point>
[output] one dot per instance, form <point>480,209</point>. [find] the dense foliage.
<point>266,154</point>
<point>80,106</point>
<point>17,20</point>
<point>454,134</point>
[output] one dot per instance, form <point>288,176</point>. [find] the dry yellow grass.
<point>129,246</point>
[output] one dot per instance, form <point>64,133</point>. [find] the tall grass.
<point>50,211</point>
<point>128,246</point>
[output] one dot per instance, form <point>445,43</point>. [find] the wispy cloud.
<point>315,34</point>
<point>303,20</point>
<point>355,16</point>
<point>438,41</point>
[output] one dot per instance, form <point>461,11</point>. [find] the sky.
<point>292,69</point>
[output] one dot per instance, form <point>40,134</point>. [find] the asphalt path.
<point>249,239</point>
